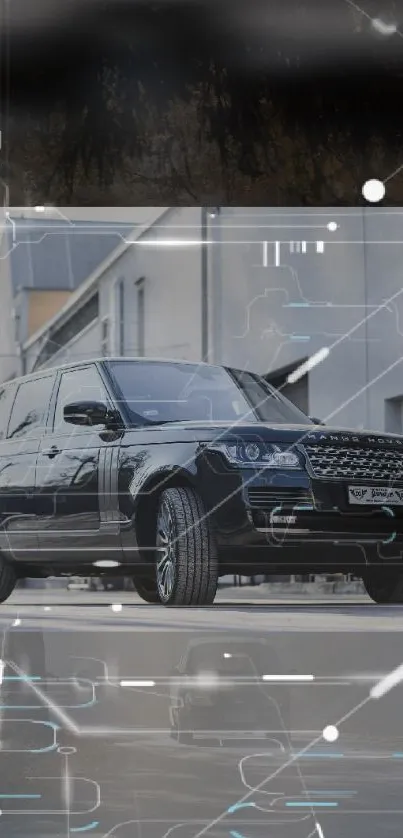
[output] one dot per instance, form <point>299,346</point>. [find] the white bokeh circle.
<point>330,733</point>
<point>383,27</point>
<point>373,191</point>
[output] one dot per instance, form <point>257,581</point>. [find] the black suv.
<point>176,473</point>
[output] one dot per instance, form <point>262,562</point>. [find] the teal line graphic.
<point>20,796</point>
<point>48,748</point>
<point>300,337</point>
<point>86,828</point>
<point>328,791</point>
<point>93,701</point>
<point>312,804</point>
<point>331,756</point>
<point>43,750</point>
<point>236,835</point>
<point>22,678</point>
<point>390,538</point>
<point>237,806</point>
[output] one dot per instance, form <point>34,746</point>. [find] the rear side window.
<point>7,394</point>
<point>30,408</point>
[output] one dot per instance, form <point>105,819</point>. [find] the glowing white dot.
<point>47,608</point>
<point>39,209</point>
<point>116,606</point>
<point>17,622</point>
<point>207,680</point>
<point>332,226</point>
<point>383,28</point>
<point>373,191</point>
<point>330,733</point>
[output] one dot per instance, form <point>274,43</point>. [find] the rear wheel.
<point>384,586</point>
<point>186,560</point>
<point>8,580</point>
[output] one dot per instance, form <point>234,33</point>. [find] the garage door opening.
<point>298,393</point>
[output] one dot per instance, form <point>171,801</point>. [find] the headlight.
<point>259,454</point>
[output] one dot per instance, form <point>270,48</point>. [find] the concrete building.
<point>259,288</point>
<point>44,258</point>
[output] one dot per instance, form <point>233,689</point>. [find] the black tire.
<point>146,587</point>
<point>8,580</point>
<point>384,586</point>
<point>188,572</point>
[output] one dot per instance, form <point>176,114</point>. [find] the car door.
<point>28,404</point>
<point>77,508</point>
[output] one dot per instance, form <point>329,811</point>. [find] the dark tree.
<point>190,101</point>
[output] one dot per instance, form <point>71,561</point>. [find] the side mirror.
<point>316,421</point>
<point>86,413</point>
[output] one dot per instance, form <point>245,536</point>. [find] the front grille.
<point>269,497</point>
<point>355,463</point>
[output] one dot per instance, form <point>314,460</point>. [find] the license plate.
<point>375,496</point>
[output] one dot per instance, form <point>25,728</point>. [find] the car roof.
<point>102,361</point>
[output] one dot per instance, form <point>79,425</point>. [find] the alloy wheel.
<point>166,558</point>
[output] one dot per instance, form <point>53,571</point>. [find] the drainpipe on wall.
<point>210,230</point>
<point>204,285</point>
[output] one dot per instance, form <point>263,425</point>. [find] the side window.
<point>30,408</point>
<point>78,385</point>
<point>7,394</point>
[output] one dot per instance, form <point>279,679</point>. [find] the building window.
<point>120,305</point>
<point>140,317</point>
<point>105,336</point>
<point>78,321</point>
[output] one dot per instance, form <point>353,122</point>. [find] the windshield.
<point>159,391</point>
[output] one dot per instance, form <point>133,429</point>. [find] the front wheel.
<point>146,587</point>
<point>186,559</point>
<point>384,586</point>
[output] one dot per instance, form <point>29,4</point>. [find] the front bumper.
<point>251,508</point>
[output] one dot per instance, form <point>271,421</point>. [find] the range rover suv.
<point>175,473</point>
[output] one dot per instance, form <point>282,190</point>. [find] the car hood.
<point>205,431</point>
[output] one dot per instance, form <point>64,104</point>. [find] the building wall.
<point>172,290</point>
<point>280,307</point>
<point>172,278</point>
<point>280,314</point>
<point>274,305</point>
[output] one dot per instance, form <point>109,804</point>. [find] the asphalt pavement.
<point>246,719</point>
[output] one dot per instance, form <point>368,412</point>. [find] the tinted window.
<point>78,385</point>
<point>30,407</point>
<point>7,394</point>
<point>157,392</point>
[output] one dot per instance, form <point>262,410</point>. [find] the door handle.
<point>51,452</point>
